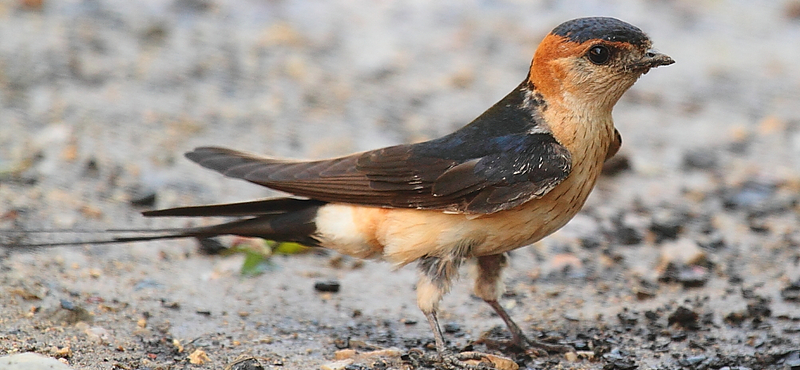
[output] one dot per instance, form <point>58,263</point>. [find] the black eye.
<point>599,54</point>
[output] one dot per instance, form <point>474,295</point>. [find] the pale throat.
<point>586,130</point>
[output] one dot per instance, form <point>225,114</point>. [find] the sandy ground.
<point>688,259</point>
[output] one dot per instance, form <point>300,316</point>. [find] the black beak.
<point>652,59</point>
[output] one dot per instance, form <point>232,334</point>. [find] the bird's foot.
<point>469,361</point>
<point>532,348</point>
<point>539,349</point>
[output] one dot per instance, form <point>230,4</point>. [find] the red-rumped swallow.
<point>514,175</point>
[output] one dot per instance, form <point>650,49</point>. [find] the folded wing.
<point>497,174</point>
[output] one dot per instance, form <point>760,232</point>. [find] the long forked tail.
<point>280,219</point>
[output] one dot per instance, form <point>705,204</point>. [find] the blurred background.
<point>99,99</point>
<point>126,87</point>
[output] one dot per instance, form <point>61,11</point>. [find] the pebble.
<point>571,356</point>
<point>566,263</point>
<point>98,334</point>
<point>337,365</point>
<point>616,359</point>
<point>684,262</point>
<point>349,358</point>
<point>791,292</point>
<point>248,363</point>
<point>681,252</point>
<point>143,198</point>
<point>344,354</point>
<point>331,286</point>
<point>693,360</point>
<point>750,194</point>
<point>684,317</point>
<point>700,159</point>
<point>199,357</point>
<point>713,241</point>
<point>499,363</point>
<point>666,224</point>
<point>628,229</point>
<point>31,361</point>
<point>451,328</point>
<point>792,360</point>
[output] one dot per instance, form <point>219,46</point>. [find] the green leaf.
<point>289,248</point>
<point>254,263</point>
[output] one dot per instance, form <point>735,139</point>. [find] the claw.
<point>471,361</point>
<point>544,348</point>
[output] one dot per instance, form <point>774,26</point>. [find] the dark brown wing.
<point>500,173</point>
<point>503,158</point>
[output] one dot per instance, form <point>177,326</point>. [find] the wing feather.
<point>505,157</point>
<point>509,172</point>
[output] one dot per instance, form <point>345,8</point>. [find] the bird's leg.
<point>448,359</point>
<point>438,337</point>
<point>437,274</point>
<point>519,339</point>
<point>489,287</point>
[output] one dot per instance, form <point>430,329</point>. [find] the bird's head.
<point>592,61</point>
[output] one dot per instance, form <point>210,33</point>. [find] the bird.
<point>514,175</point>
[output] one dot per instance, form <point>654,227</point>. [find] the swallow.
<point>515,174</point>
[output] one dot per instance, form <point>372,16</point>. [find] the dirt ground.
<point>687,256</point>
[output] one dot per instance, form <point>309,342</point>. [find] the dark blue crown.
<point>610,29</point>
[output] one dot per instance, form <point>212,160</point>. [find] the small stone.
<point>700,159</point>
<point>63,352</point>
<point>628,230</point>
<point>693,276</point>
<point>451,328</point>
<point>571,356</point>
<point>408,321</point>
<point>199,357</point>
<point>382,353</point>
<point>643,293</point>
<point>749,194</point>
<point>246,363</point>
<point>91,212</point>
<point>265,340</point>
<point>693,360</point>
<point>143,199</point>
<point>792,360</point>
<point>791,292</point>
<point>498,362</point>
<point>337,365</point>
<point>666,225</point>
<point>680,253</point>
<point>684,318</point>
<point>344,354</point>
<point>713,241</point>
<point>92,169</point>
<point>97,333</point>
<point>31,361</point>
<point>330,286</point>
<point>565,262</point>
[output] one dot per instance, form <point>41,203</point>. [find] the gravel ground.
<point>686,256</point>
